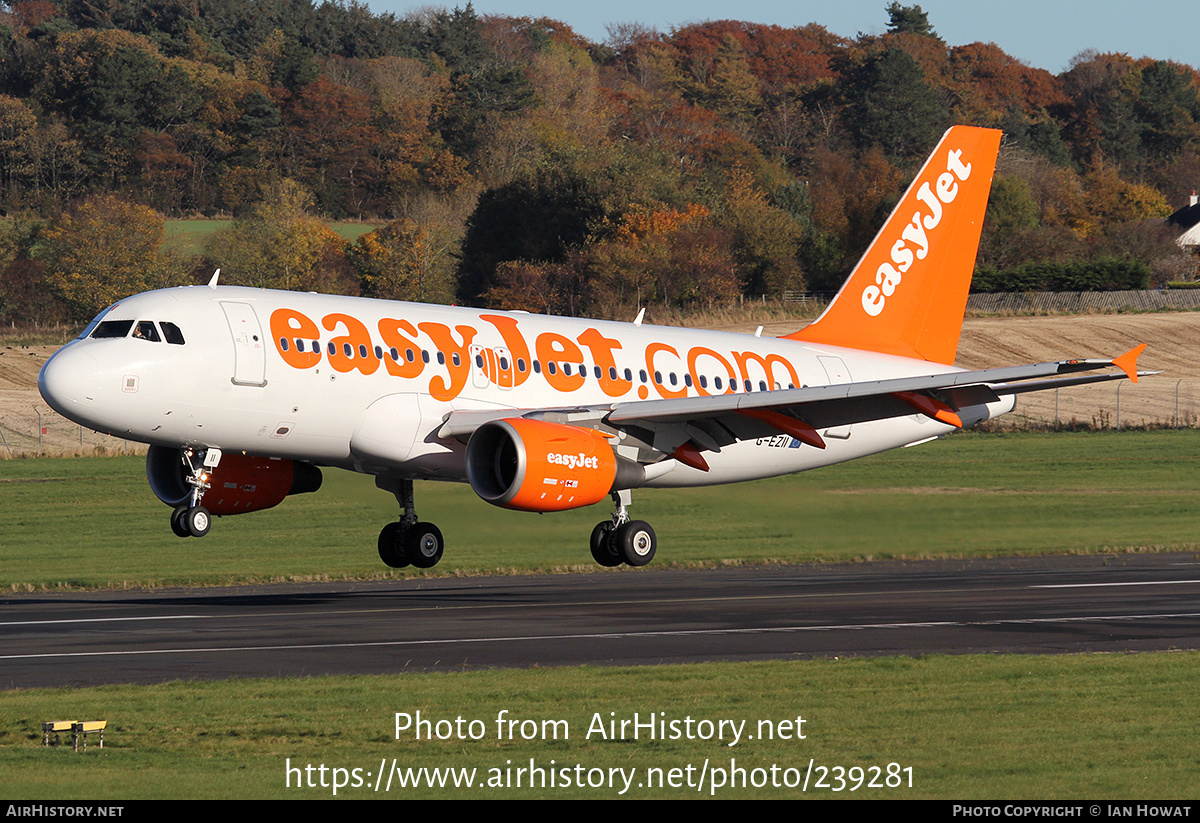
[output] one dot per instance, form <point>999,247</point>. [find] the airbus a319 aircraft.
<point>243,393</point>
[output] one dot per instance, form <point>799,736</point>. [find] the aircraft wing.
<point>999,380</point>
<point>684,427</point>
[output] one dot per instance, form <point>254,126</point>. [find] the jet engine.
<point>238,483</point>
<point>535,466</point>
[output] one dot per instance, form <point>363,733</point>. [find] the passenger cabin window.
<point>112,328</point>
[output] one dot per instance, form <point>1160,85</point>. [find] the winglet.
<point>1128,362</point>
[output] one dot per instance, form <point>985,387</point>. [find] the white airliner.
<point>243,393</point>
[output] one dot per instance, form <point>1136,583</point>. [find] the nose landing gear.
<point>191,519</point>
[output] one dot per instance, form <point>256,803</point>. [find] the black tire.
<point>603,550</point>
<point>636,542</point>
<point>179,522</point>
<point>423,544</point>
<point>391,546</point>
<point>198,521</point>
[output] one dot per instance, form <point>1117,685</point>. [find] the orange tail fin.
<point>908,293</point>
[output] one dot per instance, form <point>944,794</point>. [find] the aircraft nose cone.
<point>69,380</point>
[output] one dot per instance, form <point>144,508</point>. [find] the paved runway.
<point>628,617</point>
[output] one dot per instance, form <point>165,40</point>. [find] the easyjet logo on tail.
<point>914,241</point>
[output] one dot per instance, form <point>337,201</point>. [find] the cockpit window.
<point>87,332</point>
<point>172,333</point>
<point>146,331</point>
<point>112,328</point>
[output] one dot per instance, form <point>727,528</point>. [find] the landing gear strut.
<point>622,540</point>
<point>191,519</point>
<point>408,541</point>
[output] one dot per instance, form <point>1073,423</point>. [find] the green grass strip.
<point>996,727</point>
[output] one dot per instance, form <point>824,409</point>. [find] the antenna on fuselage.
<point>638,320</point>
<point>212,284</point>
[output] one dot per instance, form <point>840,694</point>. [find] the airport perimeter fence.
<point>44,432</point>
<point>1051,301</point>
<point>1084,301</point>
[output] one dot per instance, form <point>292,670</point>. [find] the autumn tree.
<point>638,261</point>
<point>766,238</point>
<point>1112,200</point>
<point>25,293</point>
<point>112,85</point>
<point>542,288</point>
<point>536,219</point>
<point>18,127</point>
<point>280,245</point>
<point>1100,122</point>
<point>400,261</point>
<point>331,143</point>
<point>104,249</point>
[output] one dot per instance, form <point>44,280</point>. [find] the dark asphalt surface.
<point>628,617</point>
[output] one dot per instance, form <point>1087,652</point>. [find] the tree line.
<point>510,162</point>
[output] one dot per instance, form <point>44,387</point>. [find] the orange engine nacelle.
<point>238,484</point>
<point>536,466</point>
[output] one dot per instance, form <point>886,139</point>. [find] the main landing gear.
<point>622,540</point>
<point>408,541</point>
<point>190,519</point>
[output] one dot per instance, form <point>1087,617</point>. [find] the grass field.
<point>994,728</point>
<point>94,522</point>
<point>187,237</point>
<point>972,727</point>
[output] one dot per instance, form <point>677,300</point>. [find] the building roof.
<point>1186,217</point>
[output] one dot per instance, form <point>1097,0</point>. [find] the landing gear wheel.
<point>198,521</point>
<point>636,542</point>
<point>391,546</point>
<point>603,550</point>
<point>423,544</point>
<point>179,522</point>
